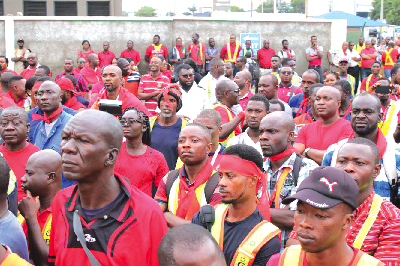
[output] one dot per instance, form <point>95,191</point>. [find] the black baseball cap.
<point>325,188</point>
<point>20,40</point>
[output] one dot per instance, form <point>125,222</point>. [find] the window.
<point>65,8</point>
<point>35,8</point>
<point>98,8</point>
<point>1,8</point>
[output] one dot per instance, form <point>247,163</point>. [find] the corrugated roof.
<point>352,20</point>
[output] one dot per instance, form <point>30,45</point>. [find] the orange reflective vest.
<point>225,142</point>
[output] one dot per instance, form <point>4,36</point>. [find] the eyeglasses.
<point>129,122</point>
<point>286,72</point>
<point>187,76</point>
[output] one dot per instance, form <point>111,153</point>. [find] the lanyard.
<point>278,187</point>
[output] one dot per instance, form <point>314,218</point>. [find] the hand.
<point>96,104</point>
<point>203,71</point>
<point>28,207</point>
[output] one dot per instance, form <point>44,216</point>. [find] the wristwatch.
<point>306,152</point>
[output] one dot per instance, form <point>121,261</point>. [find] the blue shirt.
<point>165,140</point>
<point>12,235</point>
<point>295,102</point>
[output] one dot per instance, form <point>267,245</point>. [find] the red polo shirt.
<point>28,72</point>
<point>91,76</point>
<point>105,59</point>
<point>151,51</point>
<point>195,52</point>
<point>9,70</point>
<point>284,92</point>
<point>367,63</point>
<point>131,54</point>
<point>5,101</point>
<point>148,84</point>
<point>43,219</point>
<point>264,57</point>
<point>243,101</point>
<point>224,51</point>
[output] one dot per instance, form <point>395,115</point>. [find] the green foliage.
<point>299,6</point>
<point>236,9</point>
<point>192,9</point>
<point>146,11</point>
<point>391,11</point>
<point>267,7</point>
<point>186,13</point>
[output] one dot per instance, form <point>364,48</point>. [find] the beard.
<point>166,115</point>
<point>185,86</point>
<point>367,130</point>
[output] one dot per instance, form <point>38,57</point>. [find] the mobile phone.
<point>113,107</point>
<point>384,89</point>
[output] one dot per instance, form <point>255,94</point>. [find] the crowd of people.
<point>213,157</point>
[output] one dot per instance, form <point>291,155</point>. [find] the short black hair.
<point>72,79</point>
<point>211,114</point>
<point>45,68</point>
<point>313,71</point>
<point>188,236</point>
<point>332,73</point>
<point>77,60</point>
<point>83,42</point>
<point>15,78</point>
<point>45,78</point>
<point>345,85</point>
<point>313,36</point>
<point>2,56</point>
<point>275,56</point>
<point>315,86</point>
<point>191,63</point>
<point>241,59</point>
<point>23,114</point>
<point>245,152</point>
<point>367,142</point>
<point>196,34</point>
<point>260,98</point>
<point>4,176</point>
<point>202,127</point>
<point>284,41</point>
<point>285,61</point>
<point>377,62</point>
<point>183,66</point>
<point>395,69</point>
<point>277,101</point>
<point>274,78</point>
<point>158,36</point>
<point>30,82</point>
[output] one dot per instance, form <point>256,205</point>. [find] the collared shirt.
<point>243,101</point>
<point>284,92</point>
<point>194,101</point>
<point>195,54</point>
<point>284,54</point>
<point>19,65</point>
<point>312,51</point>
<point>174,54</point>
<point>42,219</point>
<point>208,82</point>
<point>367,63</point>
<point>264,57</point>
<point>105,59</point>
<point>353,53</point>
<point>336,55</point>
<point>29,72</point>
<point>211,51</point>
<point>134,55</point>
<point>133,218</point>
<point>244,138</point>
<point>149,84</point>
<point>224,51</point>
<point>80,81</point>
<point>151,51</point>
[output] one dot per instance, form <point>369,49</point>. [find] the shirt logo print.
<point>326,182</point>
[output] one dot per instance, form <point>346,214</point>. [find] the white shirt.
<point>194,101</point>
<point>353,53</point>
<point>244,138</point>
<point>336,55</point>
<point>209,83</point>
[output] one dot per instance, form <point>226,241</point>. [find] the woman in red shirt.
<point>137,161</point>
<point>86,51</point>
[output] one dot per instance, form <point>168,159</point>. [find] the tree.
<point>267,7</point>
<point>170,14</point>
<point>146,11</point>
<point>391,11</point>
<point>236,9</point>
<point>186,13</point>
<point>192,9</point>
<point>376,10</point>
<point>393,16</point>
<point>299,6</point>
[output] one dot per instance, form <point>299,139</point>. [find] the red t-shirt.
<point>371,82</point>
<point>195,54</point>
<point>91,76</point>
<point>131,54</point>
<point>151,51</point>
<point>316,136</point>
<point>77,70</point>
<point>367,63</point>
<point>5,101</point>
<point>225,119</point>
<point>149,168</point>
<point>243,101</point>
<point>17,162</point>
<point>105,59</point>
<point>284,92</point>
<point>9,70</point>
<point>264,57</point>
<point>394,54</point>
<point>28,72</point>
<point>224,51</point>
<point>85,54</point>
<point>148,85</point>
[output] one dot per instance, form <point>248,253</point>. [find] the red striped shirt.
<point>148,85</point>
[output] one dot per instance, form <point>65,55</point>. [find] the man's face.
<point>65,96</point>
<point>32,59</point>
<point>48,97</point>
<point>211,42</point>
<point>292,65</point>
<point>275,137</point>
<point>326,105</point>
<point>211,125</point>
<point>68,66</point>
<point>20,88</point>
<point>387,39</point>
<point>308,79</point>
<point>13,128</point>
<point>361,41</point>
<point>368,44</point>
<point>345,45</point>
<point>84,149</point>
<point>373,42</point>
<point>111,78</point>
<point>275,62</point>
<point>320,229</point>
<point>179,42</point>
<point>266,44</point>
<point>240,80</point>
<point>35,178</point>
<point>95,60</point>
<point>133,125</point>
<point>351,45</point>
<point>396,77</point>
<point>129,45</point>
<point>155,64</point>
<point>266,87</point>
<point>40,72</point>
<point>286,74</point>
<point>125,67</point>
<point>233,187</point>
<point>313,40</point>
<point>186,76</point>
<point>232,95</point>
<point>228,70</point>
<point>359,162</point>
<point>156,40</point>
<point>232,39</point>
<point>240,64</point>
<point>20,44</point>
<point>195,38</point>
<point>365,115</point>
<point>193,145</point>
<point>3,63</point>
<point>106,46</point>
<point>376,68</point>
<point>285,45</point>
<point>343,66</point>
<point>254,113</point>
<point>248,44</point>
<point>81,62</point>
<point>165,109</point>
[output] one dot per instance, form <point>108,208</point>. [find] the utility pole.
<point>251,9</point>
<point>275,6</point>
<point>381,19</point>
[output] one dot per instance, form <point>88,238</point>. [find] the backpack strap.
<point>296,168</point>
<point>172,176</point>
<point>291,92</point>
<point>211,185</point>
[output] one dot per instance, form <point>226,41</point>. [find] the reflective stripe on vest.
<point>11,183</point>
<point>228,48</point>
<point>153,119</point>
<point>225,142</point>
<point>46,228</point>
<point>294,256</point>
<point>388,59</point>
<point>369,80</point>
<point>372,215</point>
<point>245,51</point>
<point>251,244</point>
<point>173,199</point>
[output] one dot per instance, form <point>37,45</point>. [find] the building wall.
<point>55,39</point>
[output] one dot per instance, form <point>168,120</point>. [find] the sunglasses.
<point>82,62</point>
<point>187,76</point>
<point>129,122</point>
<point>286,72</point>
<point>30,57</point>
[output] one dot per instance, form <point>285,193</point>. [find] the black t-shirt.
<point>234,233</point>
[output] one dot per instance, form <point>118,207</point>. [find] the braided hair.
<point>146,137</point>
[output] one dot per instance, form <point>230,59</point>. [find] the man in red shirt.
<point>113,215</point>
<point>264,56</point>
<point>156,49</point>
<point>43,179</point>
<point>91,73</point>
<point>16,85</point>
<point>230,51</point>
<point>5,101</point>
<point>69,95</point>
<point>286,90</point>
<point>368,57</point>
<point>81,63</point>
<point>131,79</point>
<point>15,149</point>
<point>112,79</point>
<point>197,52</point>
<point>32,66</point>
<point>389,57</point>
<point>81,85</point>
<point>131,53</point>
<point>105,56</point>
<point>243,80</point>
<point>4,65</point>
<point>151,85</point>
<point>372,78</point>
<point>314,138</point>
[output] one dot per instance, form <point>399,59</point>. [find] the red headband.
<point>240,166</point>
<point>37,85</point>
<point>174,88</point>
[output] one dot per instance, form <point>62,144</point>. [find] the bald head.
<point>333,92</point>
<point>285,120</point>
<point>327,102</point>
<point>115,69</point>
<point>245,74</point>
<point>15,111</point>
<point>92,57</point>
<point>224,86</point>
<point>49,161</point>
<point>202,130</point>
